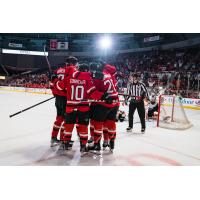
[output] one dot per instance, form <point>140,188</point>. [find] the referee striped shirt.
<point>137,90</point>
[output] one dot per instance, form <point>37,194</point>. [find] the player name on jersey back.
<point>76,81</point>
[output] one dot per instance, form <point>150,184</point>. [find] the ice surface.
<point>25,138</point>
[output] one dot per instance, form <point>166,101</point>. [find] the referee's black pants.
<point>141,112</point>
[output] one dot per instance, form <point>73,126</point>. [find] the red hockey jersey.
<point>113,72</point>
<point>61,73</point>
<point>108,84</point>
<point>79,88</point>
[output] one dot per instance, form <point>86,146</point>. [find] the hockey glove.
<point>53,77</point>
<point>107,99</point>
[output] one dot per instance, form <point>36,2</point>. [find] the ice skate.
<point>105,144</point>
<point>112,145</point>
<point>90,142</point>
<point>65,145</point>
<point>83,150</point>
<point>54,142</point>
<point>129,129</point>
<point>95,149</point>
<point>143,130</point>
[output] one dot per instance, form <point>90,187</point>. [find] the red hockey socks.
<point>56,126</point>
<point>67,134</point>
<point>82,131</point>
<point>105,132</point>
<point>111,125</point>
<point>98,131</point>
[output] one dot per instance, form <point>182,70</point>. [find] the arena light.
<point>23,52</point>
<point>105,42</point>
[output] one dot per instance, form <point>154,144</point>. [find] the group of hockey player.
<point>85,95</point>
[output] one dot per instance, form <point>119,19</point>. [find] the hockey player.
<point>103,114</point>
<point>79,88</point>
<point>96,75</point>
<point>112,71</point>
<point>60,98</point>
<point>60,103</point>
<point>153,108</point>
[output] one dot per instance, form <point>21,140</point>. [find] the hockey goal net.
<point>171,114</point>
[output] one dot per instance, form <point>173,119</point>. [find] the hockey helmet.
<point>83,67</point>
<point>71,60</point>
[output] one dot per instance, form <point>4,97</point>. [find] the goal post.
<point>171,114</point>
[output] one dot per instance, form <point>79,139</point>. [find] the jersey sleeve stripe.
<point>57,85</point>
<point>92,88</point>
<point>75,74</point>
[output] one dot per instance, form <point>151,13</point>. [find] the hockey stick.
<point>100,101</point>
<point>83,101</point>
<point>48,63</point>
<point>21,111</point>
<point>5,70</point>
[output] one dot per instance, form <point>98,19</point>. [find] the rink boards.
<point>189,103</point>
<point>29,90</point>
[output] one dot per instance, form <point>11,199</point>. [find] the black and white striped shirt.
<point>137,91</point>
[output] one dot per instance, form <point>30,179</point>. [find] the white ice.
<point>25,138</point>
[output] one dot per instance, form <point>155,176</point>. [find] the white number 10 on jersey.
<point>77,92</point>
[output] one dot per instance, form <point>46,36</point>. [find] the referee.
<point>137,92</point>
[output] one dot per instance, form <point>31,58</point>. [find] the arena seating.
<point>176,69</point>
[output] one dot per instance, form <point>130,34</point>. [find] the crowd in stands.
<point>175,70</point>
<point>29,80</point>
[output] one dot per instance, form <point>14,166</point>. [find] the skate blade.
<point>83,154</point>
<point>96,155</point>
<point>64,150</point>
<point>54,145</point>
<point>95,152</point>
